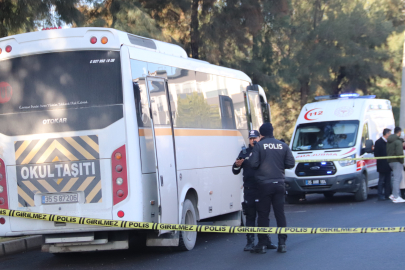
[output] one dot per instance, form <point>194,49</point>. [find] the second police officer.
<point>250,188</point>
<point>270,157</point>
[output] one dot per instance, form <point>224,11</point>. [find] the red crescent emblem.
<point>311,115</point>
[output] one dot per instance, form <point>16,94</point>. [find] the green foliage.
<point>19,16</point>
<point>125,15</point>
<point>395,11</point>
<point>391,89</point>
<point>193,111</point>
<point>284,113</point>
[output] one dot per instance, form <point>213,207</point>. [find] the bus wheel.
<point>293,199</point>
<point>362,193</point>
<point>187,239</point>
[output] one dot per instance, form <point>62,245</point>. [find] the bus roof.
<point>70,39</point>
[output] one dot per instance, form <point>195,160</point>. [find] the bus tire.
<point>293,199</point>
<point>362,193</point>
<point>187,239</point>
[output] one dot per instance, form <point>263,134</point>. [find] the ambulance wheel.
<point>362,193</point>
<point>293,199</point>
<point>329,194</point>
<point>187,239</point>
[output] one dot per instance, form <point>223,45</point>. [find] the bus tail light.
<point>120,214</point>
<point>104,40</point>
<point>93,40</point>
<point>3,186</point>
<point>8,48</point>
<point>119,175</point>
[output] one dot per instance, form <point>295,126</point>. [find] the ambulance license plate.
<point>60,198</point>
<point>315,182</point>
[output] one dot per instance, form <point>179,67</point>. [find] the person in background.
<point>250,192</point>
<point>402,184</point>
<point>271,157</point>
<point>383,168</point>
<point>395,148</point>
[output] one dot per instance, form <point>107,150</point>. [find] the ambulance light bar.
<point>349,95</point>
<point>346,95</point>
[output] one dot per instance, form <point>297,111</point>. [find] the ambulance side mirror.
<point>369,147</point>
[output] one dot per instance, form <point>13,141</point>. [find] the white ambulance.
<point>339,127</point>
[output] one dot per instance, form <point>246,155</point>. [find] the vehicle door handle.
<point>161,180</point>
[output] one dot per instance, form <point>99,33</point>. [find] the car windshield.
<point>325,135</point>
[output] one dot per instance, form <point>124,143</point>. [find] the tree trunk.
<point>304,92</point>
<point>339,78</point>
<point>3,31</point>
<point>194,32</point>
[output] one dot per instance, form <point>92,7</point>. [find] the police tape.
<point>345,159</point>
<point>194,228</point>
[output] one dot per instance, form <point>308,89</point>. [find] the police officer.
<point>270,157</point>
<point>250,188</point>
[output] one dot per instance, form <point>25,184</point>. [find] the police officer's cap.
<point>254,134</point>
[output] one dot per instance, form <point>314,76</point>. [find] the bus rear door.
<point>163,137</point>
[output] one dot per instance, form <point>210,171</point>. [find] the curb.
<point>20,245</point>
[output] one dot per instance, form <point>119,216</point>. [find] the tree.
<point>18,16</point>
<point>395,11</point>
<point>238,35</point>
<point>194,111</point>
<point>125,15</point>
<point>181,19</point>
<point>334,45</point>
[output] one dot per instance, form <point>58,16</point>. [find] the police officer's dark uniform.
<point>270,157</point>
<point>250,191</point>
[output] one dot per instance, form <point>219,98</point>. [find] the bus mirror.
<point>266,112</point>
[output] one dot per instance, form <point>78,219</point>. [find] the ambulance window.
<point>365,136</point>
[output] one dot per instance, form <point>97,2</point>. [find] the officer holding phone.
<point>250,189</point>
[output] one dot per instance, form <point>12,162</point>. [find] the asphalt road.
<point>225,251</point>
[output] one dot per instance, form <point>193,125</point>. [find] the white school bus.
<point>99,123</point>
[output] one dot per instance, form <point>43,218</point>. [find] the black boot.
<point>259,248</point>
<point>269,244</point>
<point>250,242</point>
<point>282,248</point>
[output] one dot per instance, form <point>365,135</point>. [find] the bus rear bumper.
<point>82,242</point>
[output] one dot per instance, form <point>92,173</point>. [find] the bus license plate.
<point>60,198</point>
<point>315,182</point>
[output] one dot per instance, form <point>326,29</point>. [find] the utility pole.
<point>402,109</point>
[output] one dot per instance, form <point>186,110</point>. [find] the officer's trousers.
<point>271,194</point>
<point>250,195</point>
